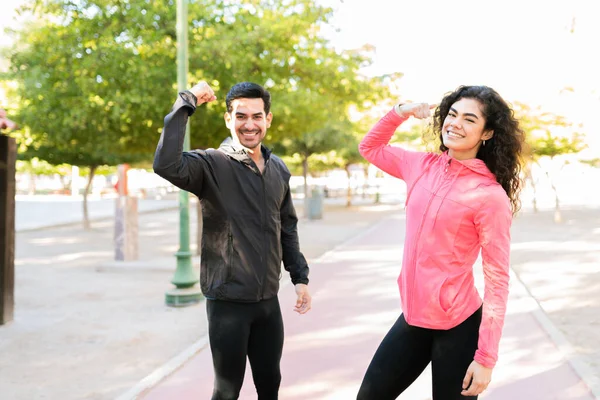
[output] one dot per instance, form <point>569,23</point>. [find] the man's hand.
<point>478,377</point>
<point>417,110</point>
<point>203,93</point>
<point>304,300</point>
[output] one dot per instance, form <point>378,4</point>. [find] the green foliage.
<point>88,74</point>
<point>40,167</point>
<point>541,130</point>
<point>95,78</point>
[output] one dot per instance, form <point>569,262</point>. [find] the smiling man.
<point>250,227</point>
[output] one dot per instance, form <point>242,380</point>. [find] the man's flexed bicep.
<point>183,169</point>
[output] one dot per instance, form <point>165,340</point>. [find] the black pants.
<point>407,350</point>
<point>240,330</point>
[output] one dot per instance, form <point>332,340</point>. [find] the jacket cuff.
<point>190,100</point>
<point>296,281</point>
<point>487,362</point>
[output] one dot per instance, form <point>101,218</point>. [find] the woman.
<point>459,202</point>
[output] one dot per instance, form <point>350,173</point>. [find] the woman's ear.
<point>487,135</point>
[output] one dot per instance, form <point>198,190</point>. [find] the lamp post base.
<point>183,297</point>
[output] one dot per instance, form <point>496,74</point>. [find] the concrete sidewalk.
<point>355,302</point>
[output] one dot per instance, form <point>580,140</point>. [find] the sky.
<point>530,51</point>
<point>543,53</point>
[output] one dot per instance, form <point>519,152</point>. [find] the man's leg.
<point>400,359</point>
<point>264,349</point>
<point>228,331</point>
<point>453,352</point>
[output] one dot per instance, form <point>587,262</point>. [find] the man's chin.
<point>250,144</point>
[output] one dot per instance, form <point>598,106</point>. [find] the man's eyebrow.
<point>254,115</point>
<point>465,114</point>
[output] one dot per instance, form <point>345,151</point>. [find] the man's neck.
<point>255,154</point>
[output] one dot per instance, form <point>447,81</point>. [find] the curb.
<point>97,219</point>
<point>561,342</point>
<point>167,369</point>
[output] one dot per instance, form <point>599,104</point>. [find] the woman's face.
<point>463,129</point>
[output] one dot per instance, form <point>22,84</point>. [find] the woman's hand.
<point>476,379</point>
<point>417,110</point>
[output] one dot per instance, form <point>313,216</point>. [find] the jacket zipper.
<point>414,258</point>
<point>263,227</point>
<point>230,248</point>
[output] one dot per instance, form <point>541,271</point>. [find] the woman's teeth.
<point>454,135</point>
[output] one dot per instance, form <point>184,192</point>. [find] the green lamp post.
<point>185,292</point>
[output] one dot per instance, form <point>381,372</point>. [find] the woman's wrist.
<point>398,110</point>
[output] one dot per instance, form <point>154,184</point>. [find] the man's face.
<point>247,122</point>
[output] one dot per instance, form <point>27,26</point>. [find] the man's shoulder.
<point>276,160</point>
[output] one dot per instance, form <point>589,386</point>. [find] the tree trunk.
<point>378,188</point>
<point>199,227</point>
<point>349,189</point>
<point>529,177</point>
<point>305,176</point>
<point>31,183</point>
<point>557,213</point>
<point>366,184</point>
<point>86,217</point>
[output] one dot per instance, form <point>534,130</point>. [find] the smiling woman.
<point>459,203</point>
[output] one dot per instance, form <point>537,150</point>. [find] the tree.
<point>544,139</point>
<point>78,70</point>
<point>100,72</point>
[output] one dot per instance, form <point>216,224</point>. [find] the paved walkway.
<point>106,324</point>
<point>355,303</point>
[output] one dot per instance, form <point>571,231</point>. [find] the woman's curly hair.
<point>501,153</point>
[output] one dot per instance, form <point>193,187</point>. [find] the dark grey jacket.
<point>249,221</point>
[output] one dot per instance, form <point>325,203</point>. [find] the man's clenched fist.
<point>203,93</point>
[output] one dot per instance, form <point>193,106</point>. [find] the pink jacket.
<point>454,209</point>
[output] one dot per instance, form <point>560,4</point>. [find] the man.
<point>250,226</point>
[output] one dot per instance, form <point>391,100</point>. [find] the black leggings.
<point>237,330</point>
<point>407,350</point>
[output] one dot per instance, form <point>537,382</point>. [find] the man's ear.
<point>487,135</point>
<point>227,118</point>
<point>269,119</point>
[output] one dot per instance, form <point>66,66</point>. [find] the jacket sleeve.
<point>493,221</point>
<point>183,169</point>
<point>293,260</point>
<point>398,162</point>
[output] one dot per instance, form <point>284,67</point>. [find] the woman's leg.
<point>453,352</point>
<point>401,357</point>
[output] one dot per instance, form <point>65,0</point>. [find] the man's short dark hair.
<point>248,90</point>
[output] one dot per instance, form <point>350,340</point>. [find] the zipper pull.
<point>447,166</point>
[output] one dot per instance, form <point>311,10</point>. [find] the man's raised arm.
<point>183,169</point>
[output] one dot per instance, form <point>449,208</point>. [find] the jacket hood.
<point>474,164</point>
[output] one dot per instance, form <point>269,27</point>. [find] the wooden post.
<point>8,153</point>
<point>126,220</point>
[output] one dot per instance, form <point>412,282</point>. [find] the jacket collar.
<point>473,164</point>
<point>240,153</point>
